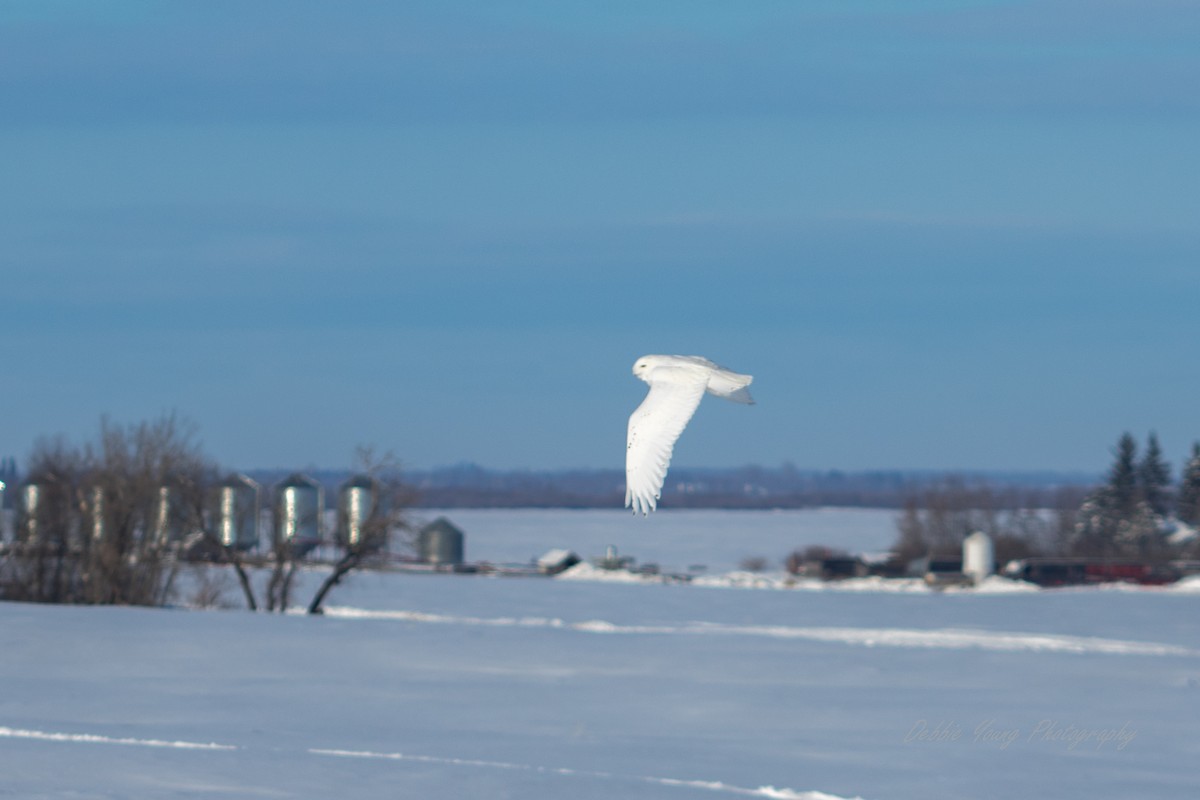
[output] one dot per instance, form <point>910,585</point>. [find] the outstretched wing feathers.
<point>654,427</point>
<point>730,385</point>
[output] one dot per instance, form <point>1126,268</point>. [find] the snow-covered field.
<point>482,687</point>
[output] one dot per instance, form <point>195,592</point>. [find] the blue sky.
<point>939,234</point>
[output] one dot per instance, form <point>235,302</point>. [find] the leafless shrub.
<point>105,523</point>
<point>208,585</point>
<point>753,564</point>
<point>937,519</point>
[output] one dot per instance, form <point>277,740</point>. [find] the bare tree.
<point>200,513</point>
<point>753,564</point>
<point>112,521</point>
<point>284,563</point>
<point>371,513</point>
<point>797,561</point>
<point>935,520</point>
<point>106,522</point>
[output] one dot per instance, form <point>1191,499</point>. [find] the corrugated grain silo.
<point>360,513</point>
<point>164,516</point>
<point>299,504</point>
<point>238,512</point>
<point>96,513</point>
<point>33,513</point>
<point>440,542</point>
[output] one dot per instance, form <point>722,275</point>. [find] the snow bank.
<point>1188,585</point>
<point>782,581</point>
<point>91,738</point>
<point>746,580</point>
<point>995,584</point>
<point>584,571</point>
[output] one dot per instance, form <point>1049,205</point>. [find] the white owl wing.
<point>654,427</point>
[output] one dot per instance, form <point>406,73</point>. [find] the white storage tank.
<point>978,556</point>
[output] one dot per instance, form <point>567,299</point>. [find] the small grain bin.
<point>96,511</point>
<point>440,542</point>
<point>360,513</point>
<point>164,516</point>
<point>48,515</point>
<point>237,512</point>
<point>299,504</point>
<point>978,556</point>
<point>33,512</point>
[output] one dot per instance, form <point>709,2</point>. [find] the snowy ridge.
<point>1188,585</point>
<point>943,638</point>
<point>713,786</point>
<point>752,580</point>
<point>739,579</point>
<point>90,738</point>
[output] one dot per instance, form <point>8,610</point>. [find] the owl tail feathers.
<point>730,385</point>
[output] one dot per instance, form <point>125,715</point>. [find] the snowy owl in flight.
<point>676,385</point>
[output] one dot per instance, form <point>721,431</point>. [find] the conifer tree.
<point>1116,520</point>
<point>1188,504</point>
<point>1154,478</point>
<point>1123,477</point>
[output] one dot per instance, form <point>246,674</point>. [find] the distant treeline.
<point>750,487</point>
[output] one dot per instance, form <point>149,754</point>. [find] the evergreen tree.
<point>1116,520</point>
<point>1154,478</point>
<point>1188,504</point>
<point>1123,477</point>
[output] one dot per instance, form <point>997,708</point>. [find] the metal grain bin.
<point>33,513</point>
<point>299,503</point>
<point>164,516</point>
<point>440,542</point>
<point>47,515</point>
<point>359,508</point>
<point>97,509</point>
<point>238,512</point>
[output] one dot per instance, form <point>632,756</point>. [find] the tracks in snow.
<point>712,786</point>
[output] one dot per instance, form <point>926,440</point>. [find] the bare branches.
<point>111,521</point>
<point>371,508</point>
<point>105,522</point>
<point>936,520</point>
